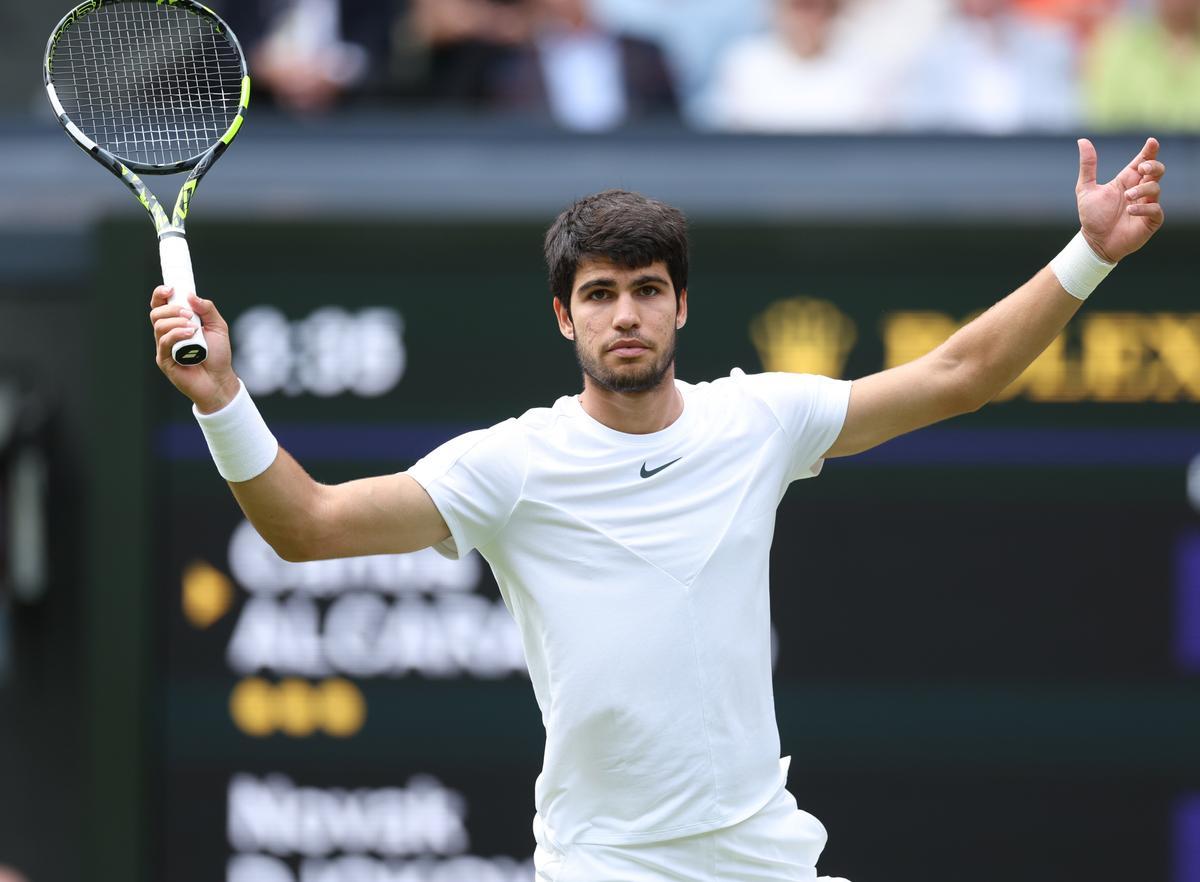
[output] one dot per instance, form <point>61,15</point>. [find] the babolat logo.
<point>185,197</point>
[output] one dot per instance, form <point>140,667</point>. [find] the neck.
<point>809,45</point>
<point>634,413</point>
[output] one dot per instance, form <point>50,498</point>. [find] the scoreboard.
<point>987,633</point>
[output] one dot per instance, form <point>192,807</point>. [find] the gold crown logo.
<point>801,335</point>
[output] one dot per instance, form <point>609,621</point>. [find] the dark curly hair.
<point>620,226</point>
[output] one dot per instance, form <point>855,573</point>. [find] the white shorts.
<point>779,843</point>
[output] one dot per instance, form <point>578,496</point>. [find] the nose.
<point>625,316</point>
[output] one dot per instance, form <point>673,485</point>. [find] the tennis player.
<point>629,526</point>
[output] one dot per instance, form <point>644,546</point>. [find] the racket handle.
<point>176,262</point>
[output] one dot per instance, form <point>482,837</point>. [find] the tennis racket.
<point>156,87</point>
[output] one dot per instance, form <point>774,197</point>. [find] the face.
<point>623,322</point>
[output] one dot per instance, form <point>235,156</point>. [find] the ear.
<point>681,310</point>
<point>565,326</point>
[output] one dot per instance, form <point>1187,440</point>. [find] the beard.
<point>627,378</point>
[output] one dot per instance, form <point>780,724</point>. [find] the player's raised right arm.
<point>300,518</point>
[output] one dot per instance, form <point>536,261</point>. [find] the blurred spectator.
<point>309,55</point>
<point>569,68</point>
<point>24,468</point>
<point>1082,16</point>
<point>803,76</point>
<point>893,34</point>
<point>693,34</point>
<point>460,42</point>
<point>1144,69</point>
<point>449,22</point>
<point>993,70</point>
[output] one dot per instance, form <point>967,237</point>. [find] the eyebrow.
<point>612,283</point>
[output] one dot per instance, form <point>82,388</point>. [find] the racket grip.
<point>176,262</point>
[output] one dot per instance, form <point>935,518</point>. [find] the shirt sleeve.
<point>810,409</point>
<point>476,481</point>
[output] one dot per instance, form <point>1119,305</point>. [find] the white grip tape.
<point>176,262</point>
<point>1079,268</point>
<point>238,438</point>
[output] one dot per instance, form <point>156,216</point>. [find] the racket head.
<point>157,84</point>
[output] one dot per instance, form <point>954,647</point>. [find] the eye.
<point>649,291</point>
<point>599,294</point>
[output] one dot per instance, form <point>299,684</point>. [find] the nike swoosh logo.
<point>650,473</point>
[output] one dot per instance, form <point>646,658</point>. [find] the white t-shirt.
<point>636,569</point>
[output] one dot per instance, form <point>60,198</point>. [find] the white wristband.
<point>240,443</point>
<point>1079,268</point>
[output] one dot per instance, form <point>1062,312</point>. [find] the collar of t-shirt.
<point>677,430</point>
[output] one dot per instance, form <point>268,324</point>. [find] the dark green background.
<point>975,676</point>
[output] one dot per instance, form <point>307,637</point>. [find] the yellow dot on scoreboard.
<point>343,708</point>
<point>252,707</point>
<point>296,708</point>
<point>207,594</point>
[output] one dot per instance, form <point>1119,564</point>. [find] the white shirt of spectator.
<point>585,84</point>
<point>764,86</point>
<point>997,77</point>
<point>694,34</point>
<point>311,30</point>
<point>636,569</point>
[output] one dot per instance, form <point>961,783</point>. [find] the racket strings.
<point>152,84</point>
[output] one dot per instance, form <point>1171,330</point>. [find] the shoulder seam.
<point>762,402</point>
<point>485,434</point>
<point>520,493</point>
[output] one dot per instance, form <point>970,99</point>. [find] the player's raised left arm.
<point>983,357</point>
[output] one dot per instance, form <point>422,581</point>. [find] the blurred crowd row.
<point>991,66</point>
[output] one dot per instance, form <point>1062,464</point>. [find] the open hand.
<point>1119,217</point>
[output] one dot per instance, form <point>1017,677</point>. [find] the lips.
<point>628,348</point>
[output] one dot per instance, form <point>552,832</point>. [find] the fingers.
<point>1152,169</point>
<point>168,336</point>
<point>1087,163</point>
<point>162,308</point>
<point>170,329</point>
<point>169,310</point>
<point>162,294</point>
<point>1152,211</point>
<point>166,317</point>
<point>1149,151</point>
<point>1148,190</point>
<point>1145,163</point>
<point>209,316</point>
<point>166,325</point>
